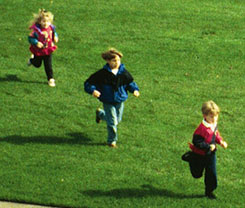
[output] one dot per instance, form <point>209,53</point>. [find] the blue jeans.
<point>112,114</point>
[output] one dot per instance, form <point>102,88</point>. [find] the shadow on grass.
<point>145,191</point>
<point>14,78</point>
<point>73,138</point>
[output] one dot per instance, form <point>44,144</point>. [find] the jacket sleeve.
<point>132,87</point>
<point>91,82</point>
<point>200,143</point>
<point>88,87</point>
<point>218,138</point>
<point>55,34</point>
<point>33,38</point>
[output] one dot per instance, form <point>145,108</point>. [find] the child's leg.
<point>210,174</point>
<point>36,61</point>
<point>101,114</point>
<point>119,110</point>
<point>48,66</point>
<point>197,165</point>
<point>111,120</point>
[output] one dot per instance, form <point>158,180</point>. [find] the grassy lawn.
<point>180,52</point>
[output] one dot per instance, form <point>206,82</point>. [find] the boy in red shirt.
<point>205,138</point>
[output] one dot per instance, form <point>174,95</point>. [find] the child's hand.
<point>56,39</point>
<point>212,147</point>
<point>136,93</point>
<point>96,93</point>
<point>39,45</point>
<point>223,144</point>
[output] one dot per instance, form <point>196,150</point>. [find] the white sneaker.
<point>29,60</point>
<point>51,82</point>
<point>113,144</point>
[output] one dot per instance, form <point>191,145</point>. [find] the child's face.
<point>45,23</point>
<point>115,62</point>
<point>210,118</point>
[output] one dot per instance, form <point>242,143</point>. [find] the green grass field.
<point>180,52</point>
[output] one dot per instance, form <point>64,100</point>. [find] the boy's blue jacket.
<point>113,88</point>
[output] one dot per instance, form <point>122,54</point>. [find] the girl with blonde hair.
<point>42,38</point>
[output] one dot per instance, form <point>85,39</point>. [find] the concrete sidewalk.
<point>20,205</point>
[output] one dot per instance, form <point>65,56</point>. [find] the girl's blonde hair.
<point>41,15</point>
<point>111,53</point>
<point>210,107</point>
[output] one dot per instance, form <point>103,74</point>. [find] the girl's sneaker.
<point>51,82</point>
<point>113,145</point>
<point>29,61</point>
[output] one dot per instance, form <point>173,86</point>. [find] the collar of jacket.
<point>208,125</point>
<point>37,27</point>
<point>120,70</point>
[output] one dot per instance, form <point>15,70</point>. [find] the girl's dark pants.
<point>200,163</point>
<point>37,62</point>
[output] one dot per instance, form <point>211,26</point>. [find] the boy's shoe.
<point>210,195</point>
<point>29,61</point>
<point>51,82</point>
<point>97,119</point>
<point>113,145</point>
<point>187,156</point>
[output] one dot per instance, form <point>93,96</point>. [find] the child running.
<point>110,85</point>
<point>42,39</point>
<point>205,138</point>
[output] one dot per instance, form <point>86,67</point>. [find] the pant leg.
<point>36,61</point>
<point>102,115</point>
<point>210,179</point>
<point>119,111</point>
<point>111,120</point>
<point>197,165</point>
<point>48,66</point>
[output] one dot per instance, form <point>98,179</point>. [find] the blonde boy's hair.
<point>210,107</point>
<point>41,15</point>
<point>111,54</point>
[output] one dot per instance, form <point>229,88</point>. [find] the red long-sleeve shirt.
<point>202,138</point>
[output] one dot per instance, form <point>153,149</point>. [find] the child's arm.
<point>91,89</point>
<point>90,86</point>
<point>55,36</point>
<point>200,143</point>
<point>220,140</point>
<point>133,88</point>
<point>56,39</point>
<point>223,144</point>
<point>136,93</point>
<point>33,39</point>
<point>96,93</point>
<point>212,147</point>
